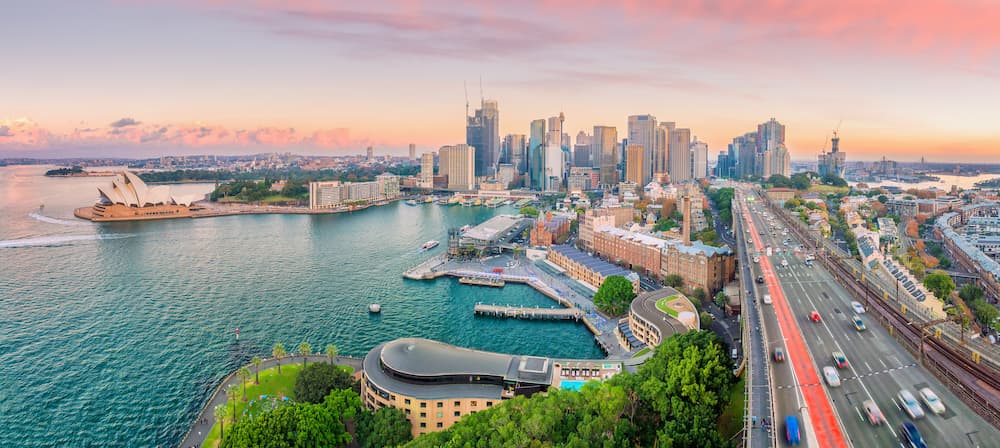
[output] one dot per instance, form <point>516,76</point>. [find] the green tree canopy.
<point>614,295</point>
<point>674,281</point>
<point>664,224</point>
<point>940,284</point>
<point>529,211</point>
<point>721,299</point>
<point>290,425</point>
<point>387,426</point>
<point>318,379</point>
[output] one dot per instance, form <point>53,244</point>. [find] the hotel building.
<point>335,194</point>
<point>436,384</point>
<point>648,325</point>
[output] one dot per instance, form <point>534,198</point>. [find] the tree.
<point>331,352</point>
<point>387,426</point>
<point>614,295</point>
<point>529,211</point>
<point>232,393</point>
<point>305,350</point>
<point>721,299</point>
<point>317,380</point>
<point>971,293</point>
<point>940,284</point>
<point>664,224</point>
<point>290,425</point>
<point>674,281</point>
<point>220,417</point>
<point>244,374</point>
<point>706,319</point>
<point>699,294</point>
<point>883,199</point>
<point>278,352</point>
<point>256,361</point>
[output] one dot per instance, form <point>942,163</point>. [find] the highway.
<point>878,367</point>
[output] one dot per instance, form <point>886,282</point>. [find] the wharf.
<point>483,281</point>
<point>514,312</point>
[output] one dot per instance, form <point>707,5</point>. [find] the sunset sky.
<point>145,78</point>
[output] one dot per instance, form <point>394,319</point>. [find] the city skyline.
<point>149,78</point>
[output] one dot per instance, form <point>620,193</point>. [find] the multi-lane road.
<point>878,367</point>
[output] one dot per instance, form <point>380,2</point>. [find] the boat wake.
<point>58,240</point>
<point>50,220</point>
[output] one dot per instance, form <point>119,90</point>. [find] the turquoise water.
<point>115,334</point>
<point>572,384</point>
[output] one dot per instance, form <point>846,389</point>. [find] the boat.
<point>374,308</point>
<point>455,200</point>
<point>465,228</point>
<point>477,202</point>
<point>411,202</point>
<point>428,199</point>
<point>429,245</point>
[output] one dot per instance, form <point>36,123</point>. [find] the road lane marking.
<point>883,363</point>
<point>868,366</point>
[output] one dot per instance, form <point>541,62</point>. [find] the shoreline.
<point>209,210</point>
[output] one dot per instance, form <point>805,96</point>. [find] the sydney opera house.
<point>128,198</point>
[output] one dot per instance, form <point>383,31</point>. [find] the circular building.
<point>656,315</point>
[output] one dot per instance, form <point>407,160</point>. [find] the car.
<point>831,376</point>
<point>912,435</point>
<point>767,299</point>
<point>932,401</point>
<point>784,263</point>
<point>792,435</point>
<point>756,259</point>
<point>910,404</point>
<point>873,413</point>
<point>840,360</point>
<point>760,279</point>
<point>858,323</point>
<point>858,308</point>
<point>814,316</point>
<point>779,354</point>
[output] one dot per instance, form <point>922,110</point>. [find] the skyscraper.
<point>832,162</point>
<point>536,155</point>
<point>699,159</point>
<point>413,152</point>
<point>426,170</point>
<point>581,151</point>
<point>679,152</point>
<point>663,130</point>
<point>513,151</point>
<point>635,164</point>
<point>554,163</point>
<point>443,160</point>
<point>724,165</point>
<point>371,154</point>
<point>461,167</point>
<point>781,161</point>
<point>482,132</point>
<point>642,131</point>
<point>770,135</point>
<point>604,145</point>
<point>745,150</point>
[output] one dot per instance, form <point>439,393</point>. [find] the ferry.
<point>411,202</point>
<point>429,245</point>
<point>477,202</point>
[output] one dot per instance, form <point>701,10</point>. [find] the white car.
<point>910,404</point>
<point>767,299</point>
<point>858,308</point>
<point>784,263</point>
<point>756,259</point>
<point>932,401</point>
<point>831,376</point>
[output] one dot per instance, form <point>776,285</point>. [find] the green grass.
<point>271,384</point>
<point>827,189</point>
<point>731,420</point>
<point>641,352</point>
<point>663,305</point>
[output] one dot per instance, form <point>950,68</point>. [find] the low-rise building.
<point>654,316</point>
<point>602,217</point>
<point>586,268</point>
<point>436,384</point>
<point>549,229</point>
<point>636,251</point>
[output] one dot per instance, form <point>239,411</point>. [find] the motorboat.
<point>374,308</point>
<point>429,245</point>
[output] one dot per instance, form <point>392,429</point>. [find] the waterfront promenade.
<point>207,209</point>
<point>195,436</point>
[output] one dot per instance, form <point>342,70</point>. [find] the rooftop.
<point>492,228</point>
<point>593,263</point>
<point>645,307</point>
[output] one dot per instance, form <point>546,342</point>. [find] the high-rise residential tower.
<point>679,153</point>
<point>770,135</point>
<point>370,153</point>
<point>426,170</point>
<point>663,131</point>
<point>642,131</point>
<point>461,167</point>
<point>413,152</point>
<point>554,158</point>
<point>604,146</point>
<point>699,159</point>
<point>513,151</point>
<point>482,132</point>
<point>781,161</point>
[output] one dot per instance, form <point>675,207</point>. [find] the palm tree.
<point>231,394</point>
<point>331,351</point>
<point>244,374</point>
<point>256,367</point>
<point>305,350</point>
<point>278,352</point>
<point>220,417</point>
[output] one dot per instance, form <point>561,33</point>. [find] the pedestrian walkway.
<point>206,418</point>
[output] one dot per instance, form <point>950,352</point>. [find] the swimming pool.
<point>572,384</point>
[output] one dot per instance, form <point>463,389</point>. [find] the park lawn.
<point>663,305</point>
<point>278,198</point>
<point>271,384</point>
<point>731,420</point>
<point>641,352</point>
<point>827,189</point>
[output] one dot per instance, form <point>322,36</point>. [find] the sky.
<point>143,78</point>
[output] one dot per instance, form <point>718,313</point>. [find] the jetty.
<point>514,312</point>
<point>495,282</point>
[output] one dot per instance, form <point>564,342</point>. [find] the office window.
<point>458,403</point>
<point>489,403</point>
<point>423,404</point>
<point>423,424</point>
<point>406,401</point>
<point>458,414</point>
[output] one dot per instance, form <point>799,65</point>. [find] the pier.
<point>514,312</point>
<point>496,282</point>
